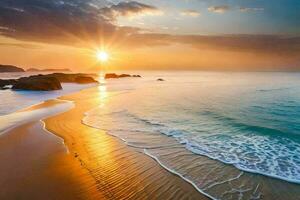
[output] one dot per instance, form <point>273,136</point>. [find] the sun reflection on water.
<point>102,89</point>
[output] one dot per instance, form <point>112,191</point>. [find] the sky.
<point>258,35</point>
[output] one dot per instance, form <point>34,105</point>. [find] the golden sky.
<point>193,34</point>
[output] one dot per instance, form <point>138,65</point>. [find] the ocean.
<point>246,121</point>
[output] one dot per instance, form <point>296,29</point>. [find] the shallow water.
<point>250,121</point>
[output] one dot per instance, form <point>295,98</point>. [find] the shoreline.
<point>33,113</point>
<point>111,162</point>
<point>84,178</point>
<point>38,165</point>
<point>107,163</point>
<point>247,184</point>
<point>33,98</point>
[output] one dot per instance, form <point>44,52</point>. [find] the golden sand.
<point>36,165</point>
<point>119,171</point>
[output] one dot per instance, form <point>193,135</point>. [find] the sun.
<point>102,56</point>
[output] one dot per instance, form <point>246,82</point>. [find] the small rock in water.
<point>113,75</point>
<point>160,79</point>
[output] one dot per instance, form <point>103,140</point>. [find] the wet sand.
<point>35,163</point>
<point>119,171</point>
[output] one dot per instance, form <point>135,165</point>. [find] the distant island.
<point>48,70</point>
<point>10,68</point>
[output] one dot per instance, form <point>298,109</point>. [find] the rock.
<point>5,82</point>
<point>69,78</point>
<point>46,82</point>
<point>10,68</point>
<point>124,75</point>
<point>160,79</point>
<point>39,83</point>
<point>84,80</point>
<point>136,76</point>
<point>113,75</point>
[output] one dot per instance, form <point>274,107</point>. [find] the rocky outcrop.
<point>39,83</point>
<point>69,78</point>
<point>113,75</point>
<point>124,75</point>
<point>46,82</point>
<point>10,68</point>
<point>5,82</point>
<point>84,80</point>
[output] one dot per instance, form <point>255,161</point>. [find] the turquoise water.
<point>250,121</point>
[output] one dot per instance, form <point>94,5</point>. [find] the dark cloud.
<point>64,21</point>
<point>128,9</point>
<point>219,9</point>
<point>52,20</point>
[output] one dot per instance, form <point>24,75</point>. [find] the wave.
<point>255,194</point>
<point>295,178</point>
<point>246,150</point>
<point>180,175</point>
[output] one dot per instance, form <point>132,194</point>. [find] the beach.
<point>86,146</point>
<point>144,99</point>
<point>94,166</point>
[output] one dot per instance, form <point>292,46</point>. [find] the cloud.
<point>75,22</point>
<point>219,9</point>
<point>248,9</point>
<point>52,20</point>
<point>189,12</point>
<point>21,45</point>
<point>85,23</point>
<point>272,44</point>
<point>257,44</point>
<point>129,9</point>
